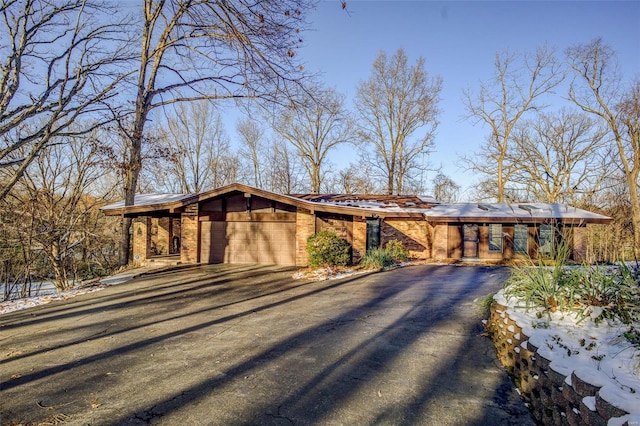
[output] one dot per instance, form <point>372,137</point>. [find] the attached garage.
<point>265,242</point>
<point>240,227</point>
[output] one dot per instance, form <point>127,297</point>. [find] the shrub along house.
<point>241,224</point>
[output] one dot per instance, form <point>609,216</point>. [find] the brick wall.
<point>189,234</point>
<point>440,241</point>
<point>359,243</point>
<point>414,235</point>
<point>305,227</point>
<point>141,239</point>
<point>341,226</point>
<point>553,398</point>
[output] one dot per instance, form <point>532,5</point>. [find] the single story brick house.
<point>241,224</point>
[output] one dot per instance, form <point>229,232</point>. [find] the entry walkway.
<point>225,344</point>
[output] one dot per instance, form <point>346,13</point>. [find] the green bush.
<point>327,249</point>
<point>376,259</point>
<point>589,291</point>
<point>397,251</point>
<point>606,293</point>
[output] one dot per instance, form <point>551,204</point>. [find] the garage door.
<point>271,243</point>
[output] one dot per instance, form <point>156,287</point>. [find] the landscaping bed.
<point>568,335</point>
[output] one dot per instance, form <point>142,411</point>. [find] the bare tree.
<point>284,170</point>
<point>58,215</point>
<point>197,49</point>
<point>194,147</point>
<point>395,103</point>
<point>224,164</point>
<point>445,189</point>
<point>518,86</point>
<point>560,157</point>
<point>354,179</point>
<point>251,135</point>
<point>58,64</point>
<point>597,90</point>
<point>315,126</point>
<point>614,241</point>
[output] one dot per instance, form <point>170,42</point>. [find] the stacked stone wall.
<point>553,398</point>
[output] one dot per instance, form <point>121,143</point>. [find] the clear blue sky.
<point>459,40</point>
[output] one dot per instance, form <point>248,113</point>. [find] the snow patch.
<point>594,352</point>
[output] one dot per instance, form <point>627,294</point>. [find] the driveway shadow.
<point>248,345</point>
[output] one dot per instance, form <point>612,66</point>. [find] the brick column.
<point>189,235</point>
<point>440,241</point>
<point>580,238</point>
<point>305,227</point>
<point>141,239</point>
<point>359,243</point>
<point>164,235</point>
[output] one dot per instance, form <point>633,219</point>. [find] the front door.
<point>470,240</point>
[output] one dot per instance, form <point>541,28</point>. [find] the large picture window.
<point>545,239</point>
<point>495,237</point>
<point>521,239</point>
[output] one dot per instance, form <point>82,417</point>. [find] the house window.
<point>495,237</point>
<point>521,239</point>
<point>545,239</point>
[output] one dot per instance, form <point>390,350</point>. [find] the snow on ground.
<point>46,292</point>
<point>328,273</point>
<point>597,353</point>
<point>337,272</point>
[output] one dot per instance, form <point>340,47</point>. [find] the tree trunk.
<point>57,263</point>
<point>632,181</point>
<point>60,274</point>
<point>130,185</point>
<point>500,183</point>
<point>315,179</point>
<point>125,242</point>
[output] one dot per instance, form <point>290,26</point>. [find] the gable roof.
<point>154,203</point>
<point>402,206</point>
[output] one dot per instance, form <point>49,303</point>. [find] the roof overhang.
<point>177,204</point>
<point>532,213</point>
<point>172,204</point>
<point>519,220</point>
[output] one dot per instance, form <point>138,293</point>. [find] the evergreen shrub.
<point>326,248</point>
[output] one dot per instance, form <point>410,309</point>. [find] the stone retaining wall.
<point>552,397</point>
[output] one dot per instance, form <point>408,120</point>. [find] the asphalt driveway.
<point>230,344</point>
